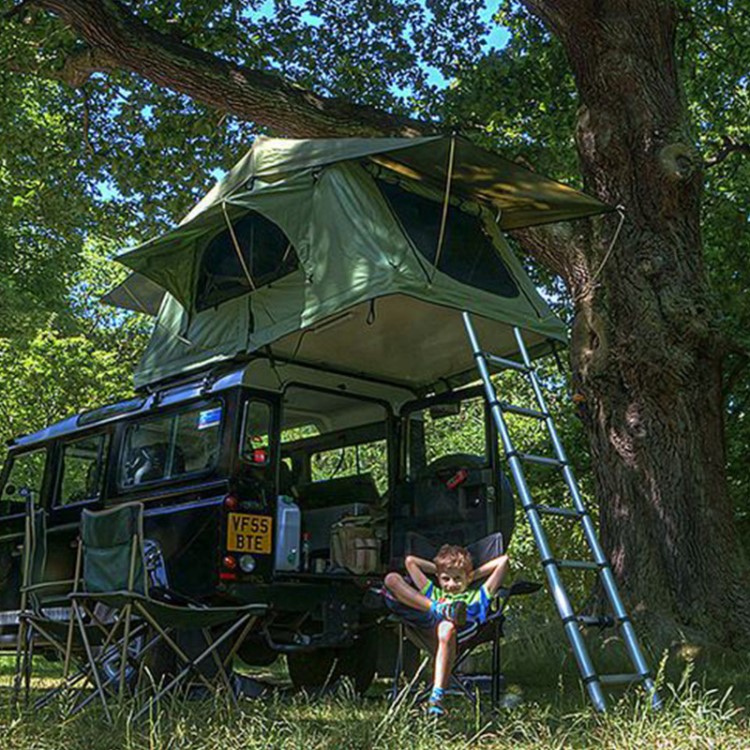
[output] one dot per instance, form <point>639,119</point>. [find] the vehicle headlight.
<point>247,563</point>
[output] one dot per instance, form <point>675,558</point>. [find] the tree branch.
<point>75,69</point>
<point>117,39</point>
<point>115,35</point>
<point>728,146</point>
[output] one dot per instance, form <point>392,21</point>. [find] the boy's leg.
<point>444,657</point>
<point>406,593</point>
<point>446,653</point>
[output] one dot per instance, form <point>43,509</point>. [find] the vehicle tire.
<point>313,669</point>
<point>158,664</point>
<point>325,666</point>
<point>257,653</point>
<point>359,661</point>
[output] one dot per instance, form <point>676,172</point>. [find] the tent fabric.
<point>523,197</point>
<point>355,258</point>
<point>137,293</point>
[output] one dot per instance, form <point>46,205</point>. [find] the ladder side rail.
<point>606,574</point>
<point>559,594</point>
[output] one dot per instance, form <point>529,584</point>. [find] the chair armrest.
<point>523,588</point>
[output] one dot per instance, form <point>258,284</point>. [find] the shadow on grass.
<point>699,712</point>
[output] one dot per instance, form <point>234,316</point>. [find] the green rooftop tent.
<point>356,255</point>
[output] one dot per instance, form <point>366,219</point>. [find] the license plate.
<point>249,533</point>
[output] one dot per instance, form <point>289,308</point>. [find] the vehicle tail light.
<point>229,562</point>
<point>231,502</point>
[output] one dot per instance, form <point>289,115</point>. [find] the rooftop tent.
<point>353,254</point>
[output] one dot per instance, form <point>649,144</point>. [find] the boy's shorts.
<point>416,617</point>
<point>421,619</point>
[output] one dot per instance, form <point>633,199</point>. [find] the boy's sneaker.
<point>454,612</point>
<point>435,708</point>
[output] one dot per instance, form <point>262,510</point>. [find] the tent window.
<point>267,252</point>
<point>468,254</point>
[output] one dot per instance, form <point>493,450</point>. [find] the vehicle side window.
<point>82,469</point>
<point>26,473</point>
<point>255,432</point>
<point>172,445</point>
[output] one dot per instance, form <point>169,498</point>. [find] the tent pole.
<point>446,203</point>
<point>237,249</point>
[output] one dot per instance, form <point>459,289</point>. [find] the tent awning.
<point>522,197</point>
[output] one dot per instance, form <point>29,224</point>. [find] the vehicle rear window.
<point>256,429</point>
<point>172,445</point>
<point>26,473</point>
<point>82,469</point>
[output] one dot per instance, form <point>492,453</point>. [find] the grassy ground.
<point>705,707</point>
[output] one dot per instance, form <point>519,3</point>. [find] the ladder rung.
<point>523,411</point>
<point>543,460</point>
<point>619,679</point>
<point>505,364</point>
<point>578,564</point>
<point>548,510</point>
<point>592,621</point>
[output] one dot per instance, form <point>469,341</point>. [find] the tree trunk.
<point>647,350</point>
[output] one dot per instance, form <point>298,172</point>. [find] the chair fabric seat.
<point>173,615</point>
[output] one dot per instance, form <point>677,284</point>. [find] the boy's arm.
<point>494,570</point>
<point>416,567</point>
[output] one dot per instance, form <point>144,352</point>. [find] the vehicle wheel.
<point>359,661</point>
<point>312,669</point>
<point>158,663</point>
<point>256,653</point>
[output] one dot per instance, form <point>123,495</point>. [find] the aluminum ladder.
<point>572,622</point>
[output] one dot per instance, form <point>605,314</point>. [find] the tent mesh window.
<point>266,250</point>
<point>468,254</point>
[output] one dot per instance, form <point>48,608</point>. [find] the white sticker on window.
<point>209,418</point>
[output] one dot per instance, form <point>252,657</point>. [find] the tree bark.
<point>647,350</point>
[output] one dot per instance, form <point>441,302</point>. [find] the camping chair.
<point>471,636</point>
<point>115,578</point>
<point>43,618</point>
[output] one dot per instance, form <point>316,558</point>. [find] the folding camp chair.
<point>115,578</point>
<point>411,626</point>
<point>46,621</point>
<point>43,619</point>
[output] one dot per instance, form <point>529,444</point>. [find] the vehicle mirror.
<point>438,411</point>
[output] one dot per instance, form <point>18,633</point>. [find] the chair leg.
<point>399,662</point>
<point>28,663</point>
<point>21,656</point>
<point>495,684</point>
<point>92,662</point>
<point>191,664</point>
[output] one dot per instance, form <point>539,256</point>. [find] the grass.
<point>705,707</point>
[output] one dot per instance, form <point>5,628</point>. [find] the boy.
<point>447,605</point>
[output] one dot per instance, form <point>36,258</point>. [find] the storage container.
<point>288,534</point>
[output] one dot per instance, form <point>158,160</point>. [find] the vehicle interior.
<point>399,480</point>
